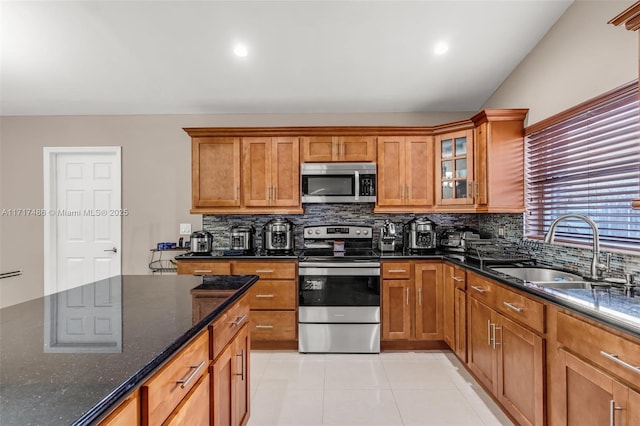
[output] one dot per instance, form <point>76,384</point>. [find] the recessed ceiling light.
<point>241,50</point>
<point>441,48</point>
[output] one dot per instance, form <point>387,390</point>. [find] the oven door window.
<point>328,185</point>
<point>336,290</point>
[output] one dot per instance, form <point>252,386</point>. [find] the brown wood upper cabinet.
<point>271,172</point>
<point>405,173</point>
<point>482,169</point>
<point>338,148</point>
<point>215,163</point>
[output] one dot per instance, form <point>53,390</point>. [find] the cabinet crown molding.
<point>630,17</point>
<point>486,115</point>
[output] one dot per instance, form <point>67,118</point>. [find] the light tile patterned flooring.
<point>393,388</point>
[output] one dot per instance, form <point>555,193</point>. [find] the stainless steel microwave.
<point>338,182</point>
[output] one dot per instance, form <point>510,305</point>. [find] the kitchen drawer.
<point>162,393</point>
<point>459,278</point>
<point>126,414</point>
<point>190,267</point>
<point>601,347</point>
<point>520,308</point>
<point>228,324</point>
<point>267,294</point>
<point>396,270</point>
<point>277,270</point>
<point>482,289</point>
<point>194,409</point>
<point>273,325</point>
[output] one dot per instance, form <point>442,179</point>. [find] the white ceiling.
<point>176,57</point>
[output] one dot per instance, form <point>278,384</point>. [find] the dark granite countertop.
<point>68,358</point>
<point>225,255</point>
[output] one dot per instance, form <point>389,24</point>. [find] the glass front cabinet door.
<point>454,168</point>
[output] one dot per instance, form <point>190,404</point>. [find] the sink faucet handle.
<point>606,266</point>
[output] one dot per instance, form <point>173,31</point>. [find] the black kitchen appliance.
<point>420,235</point>
<point>455,239</point>
<point>278,236</point>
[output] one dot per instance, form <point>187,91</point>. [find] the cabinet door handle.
<point>457,279</point>
<point>397,271</point>
<point>237,193</point>
<point>420,296</point>
<point>617,360</point>
<point>407,295</point>
<point>185,382</point>
<point>513,307</point>
<point>264,271</point>
<point>275,193</point>
<point>479,289</point>
<point>264,326</point>
<point>612,412</point>
<point>265,296</point>
<point>241,374</point>
<point>238,320</point>
<point>495,335</point>
<point>489,332</point>
<point>201,271</point>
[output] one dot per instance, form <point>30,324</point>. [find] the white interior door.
<point>84,220</point>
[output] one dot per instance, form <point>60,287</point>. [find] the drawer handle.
<point>479,289</point>
<point>264,326</point>
<point>264,296</point>
<point>513,307</point>
<point>457,279</point>
<point>184,383</point>
<point>397,271</point>
<point>264,271</point>
<point>238,320</point>
<point>617,360</point>
<point>202,270</point>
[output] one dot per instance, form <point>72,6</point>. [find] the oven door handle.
<point>342,270</point>
<point>344,265</point>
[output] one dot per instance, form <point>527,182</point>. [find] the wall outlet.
<point>185,229</point>
<point>501,231</point>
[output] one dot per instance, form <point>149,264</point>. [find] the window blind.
<point>587,161</point>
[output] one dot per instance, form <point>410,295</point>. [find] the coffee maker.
<point>387,238</point>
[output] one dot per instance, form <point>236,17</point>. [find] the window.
<point>587,161</point>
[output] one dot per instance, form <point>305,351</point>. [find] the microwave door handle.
<point>357,191</point>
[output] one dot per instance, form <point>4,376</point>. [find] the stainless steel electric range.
<point>339,290</point>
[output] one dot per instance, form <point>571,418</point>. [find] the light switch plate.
<point>185,229</point>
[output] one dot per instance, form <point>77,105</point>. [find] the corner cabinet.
<point>482,169</point>
<point>405,173</point>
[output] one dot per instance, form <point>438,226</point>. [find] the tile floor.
<point>393,388</point>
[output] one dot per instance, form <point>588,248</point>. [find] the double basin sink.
<point>549,278</point>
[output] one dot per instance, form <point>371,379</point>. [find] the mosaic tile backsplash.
<point>553,255</point>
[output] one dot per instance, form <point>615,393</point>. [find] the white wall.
<point>156,157</point>
<point>579,58</point>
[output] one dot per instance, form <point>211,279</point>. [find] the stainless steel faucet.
<point>596,266</point>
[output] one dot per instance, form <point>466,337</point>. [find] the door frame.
<point>50,157</point>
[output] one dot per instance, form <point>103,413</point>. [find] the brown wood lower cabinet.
<point>411,302</point>
<point>162,395</point>
<point>126,414</point>
<point>195,408</point>
<point>593,397</point>
<point>230,387</point>
<point>506,357</point>
<point>454,309</point>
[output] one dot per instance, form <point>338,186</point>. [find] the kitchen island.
<point>71,357</point>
